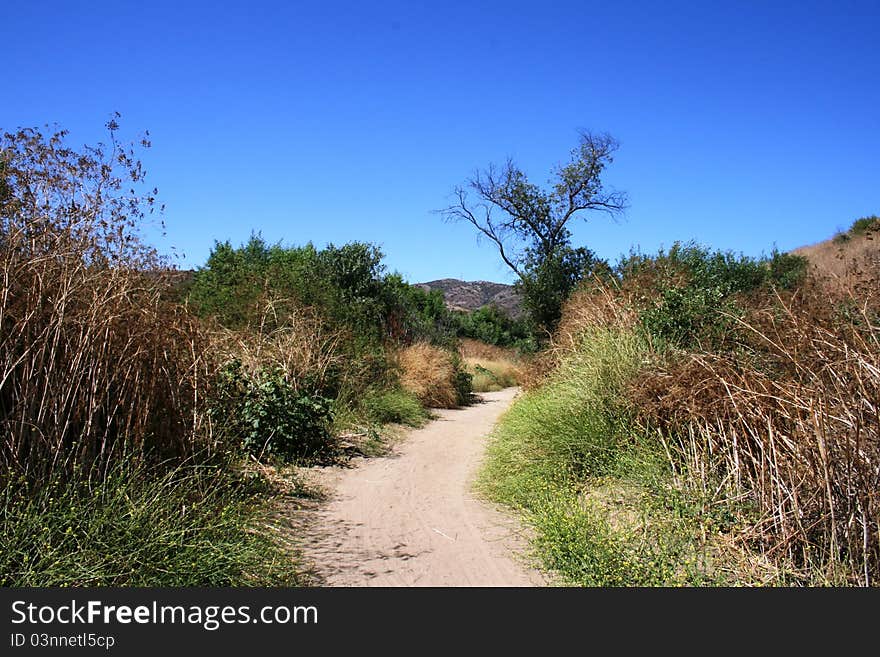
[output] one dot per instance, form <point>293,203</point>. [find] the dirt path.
<point>411,519</point>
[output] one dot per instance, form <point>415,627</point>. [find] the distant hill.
<point>471,295</point>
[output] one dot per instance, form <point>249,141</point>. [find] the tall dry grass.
<point>429,373</point>
<point>492,367</point>
<point>294,338</point>
<point>94,361</point>
<point>598,305</point>
<point>109,470</point>
<point>476,349</point>
<point>847,265</point>
<point>790,422</point>
<point>781,424</point>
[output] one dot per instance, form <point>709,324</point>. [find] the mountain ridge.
<point>472,295</point>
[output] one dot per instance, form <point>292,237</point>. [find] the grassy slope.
<point>843,255</point>
<point>600,496</point>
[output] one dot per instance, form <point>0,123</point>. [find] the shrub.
<point>393,406</point>
<point>752,461</point>
<point>463,383</point>
<point>865,224</point>
<point>298,341</point>
<point>269,415</point>
<point>433,375</point>
<point>787,270</point>
<point>687,315</point>
<point>493,326</point>
<point>786,422</point>
<point>692,296</point>
<point>348,287</point>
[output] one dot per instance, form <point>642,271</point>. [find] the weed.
<point>189,525</point>
<point>393,406</point>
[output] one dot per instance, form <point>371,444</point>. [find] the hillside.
<point>471,295</point>
<point>849,255</point>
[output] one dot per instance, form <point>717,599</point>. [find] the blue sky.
<point>742,124</point>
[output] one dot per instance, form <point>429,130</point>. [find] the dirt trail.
<point>411,519</point>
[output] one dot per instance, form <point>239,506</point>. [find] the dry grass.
<point>599,305</point>
<point>300,343</point>
<point>492,375</point>
<point>845,265</point>
<point>781,425</point>
<point>94,361</point>
<point>470,348</point>
<point>792,423</point>
<point>429,373</point>
<point>493,367</point>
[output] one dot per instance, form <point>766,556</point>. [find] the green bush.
<point>865,224</point>
<point>464,388</point>
<point>462,381</point>
<point>686,315</point>
<point>693,292</point>
<point>393,406</point>
<point>861,226</point>
<point>269,416</point>
<point>787,271</point>
<point>493,326</point>
<point>348,285</point>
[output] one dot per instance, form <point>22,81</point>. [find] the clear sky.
<point>742,124</point>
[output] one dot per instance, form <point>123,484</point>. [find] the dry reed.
<point>94,362</point>
<point>791,422</point>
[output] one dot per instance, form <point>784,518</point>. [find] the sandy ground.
<point>412,519</point>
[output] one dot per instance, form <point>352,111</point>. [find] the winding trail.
<point>411,518</point>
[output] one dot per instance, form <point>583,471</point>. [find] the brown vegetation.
<point>849,261</point>
<point>781,418</point>
<point>493,368</point>
<point>795,424</point>
<point>94,361</point>
<point>295,339</point>
<point>429,373</point>
<point>592,305</point>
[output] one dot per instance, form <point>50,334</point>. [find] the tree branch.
<point>461,212</point>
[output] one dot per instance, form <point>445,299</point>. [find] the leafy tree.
<point>492,325</point>
<point>548,280</point>
<point>530,225</point>
<point>349,286</point>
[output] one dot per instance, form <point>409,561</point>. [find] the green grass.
<point>192,526</point>
<point>599,495</point>
<point>486,382</point>
<point>394,406</point>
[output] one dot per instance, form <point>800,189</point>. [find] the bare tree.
<point>528,223</point>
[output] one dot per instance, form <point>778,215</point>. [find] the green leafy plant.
<point>787,270</point>
<point>269,416</point>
